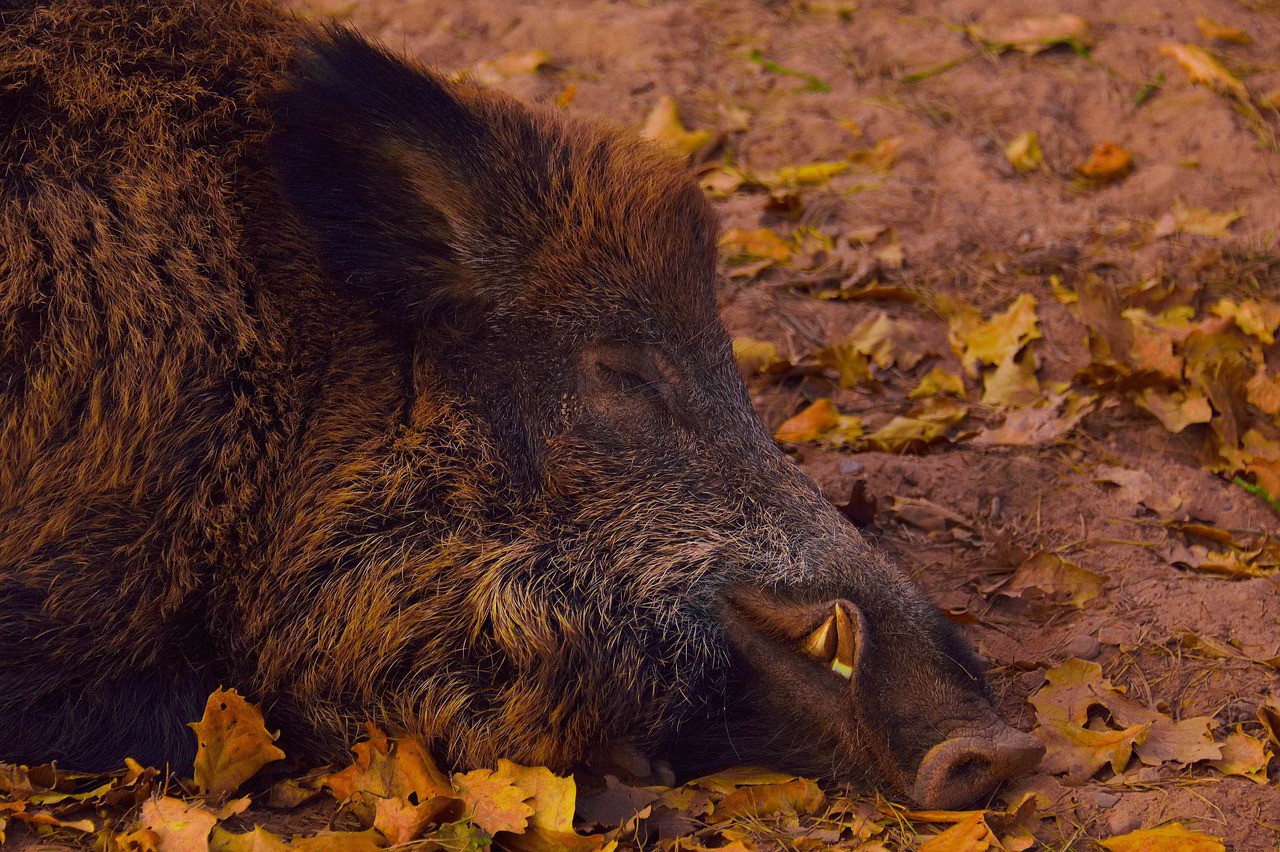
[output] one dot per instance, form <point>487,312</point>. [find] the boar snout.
<point>963,769</point>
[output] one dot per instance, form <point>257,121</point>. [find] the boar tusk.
<point>842,664</point>
<point>821,643</point>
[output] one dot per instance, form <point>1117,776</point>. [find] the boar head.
<point>645,563</point>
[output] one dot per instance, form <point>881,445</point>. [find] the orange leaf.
<point>233,743</point>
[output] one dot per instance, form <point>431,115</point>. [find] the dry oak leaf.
<point>1035,427</point>
<point>170,824</point>
<point>990,341</point>
<point>663,127</point>
<point>233,743</point>
<point>760,243</point>
<point>1203,68</point>
<point>1173,837</point>
<point>1107,163</point>
<point>1244,755</point>
<point>1034,33</point>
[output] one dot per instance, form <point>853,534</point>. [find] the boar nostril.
<point>957,772</point>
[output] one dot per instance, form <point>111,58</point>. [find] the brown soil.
<point>973,228</point>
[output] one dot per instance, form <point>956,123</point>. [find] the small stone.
<point>1123,823</point>
<point>1103,799</point>
<point>1084,647</point>
<point>851,467</point>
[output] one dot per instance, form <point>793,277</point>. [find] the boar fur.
<point>379,396</point>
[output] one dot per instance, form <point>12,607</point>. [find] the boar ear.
<point>383,163</point>
<point>832,633</point>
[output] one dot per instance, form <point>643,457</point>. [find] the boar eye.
<point>630,381</point>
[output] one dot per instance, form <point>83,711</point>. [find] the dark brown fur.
<point>379,396</point>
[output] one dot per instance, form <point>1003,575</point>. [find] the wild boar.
<point>381,396</point>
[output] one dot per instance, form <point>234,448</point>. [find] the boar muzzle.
<point>964,769</point>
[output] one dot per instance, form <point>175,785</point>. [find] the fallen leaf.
<point>1204,69</point>
<point>384,769</point>
<point>1057,579</point>
<point>1258,319</point>
<point>1138,486</point>
<point>1036,427</point>
<point>1107,163</point>
<point>233,743</point>
<point>970,834</point>
<point>1034,33</point>
<point>1244,755</point>
<point>938,382</point>
<point>924,426</point>
<point>761,243</point>
<point>1024,152</point>
<point>797,796</point>
<point>175,825</point>
<point>758,357</point>
<point>808,174</point>
<point>491,72</point>
<point>493,802</point>
<point>1269,716</point>
<point>1013,383</point>
<point>888,342</point>
<point>567,95</point>
<point>663,127</point>
<point>1264,393</point>
<point>258,840</point>
<point>1215,31</point>
<point>553,799</point>
<point>1176,410</point>
<point>1193,220</point>
<point>1173,837</point>
<point>991,341</point>
<point>727,781</point>
<point>810,424</point>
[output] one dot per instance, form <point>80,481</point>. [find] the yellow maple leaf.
<point>493,802</point>
<point>1013,383</point>
<point>233,743</point>
<point>168,823</point>
<point>663,126</point>
<point>990,341</point>
<point>938,382</point>
<point>1244,755</point>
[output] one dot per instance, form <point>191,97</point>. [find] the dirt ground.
<point>925,116</point>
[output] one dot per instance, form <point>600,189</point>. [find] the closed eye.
<point>631,382</point>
